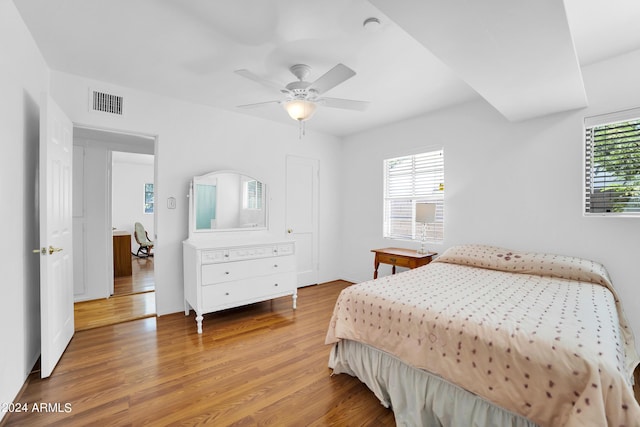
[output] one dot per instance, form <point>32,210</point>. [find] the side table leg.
<point>376,264</point>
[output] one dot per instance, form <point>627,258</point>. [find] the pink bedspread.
<point>541,335</point>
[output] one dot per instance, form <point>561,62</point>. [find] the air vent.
<point>103,102</point>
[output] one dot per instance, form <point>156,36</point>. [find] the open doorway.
<point>133,206</point>
<point>102,294</point>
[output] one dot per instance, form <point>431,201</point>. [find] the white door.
<point>302,215</point>
<point>56,256</point>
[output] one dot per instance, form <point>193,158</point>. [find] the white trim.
<point>616,116</point>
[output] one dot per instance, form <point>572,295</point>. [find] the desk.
<point>400,257</point>
<point>121,253</point>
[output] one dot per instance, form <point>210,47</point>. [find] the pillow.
<point>542,264</point>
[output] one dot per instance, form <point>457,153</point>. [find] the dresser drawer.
<point>247,253</point>
<point>246,291</point>
<point>251,252</point>
<point>286,249</point>
<point>239,270</point>
<point>212,256</point>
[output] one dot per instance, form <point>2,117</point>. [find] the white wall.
<point>128,180</point>
<point>517,185</point>
<point>23,78</point>
<point>194,139</point>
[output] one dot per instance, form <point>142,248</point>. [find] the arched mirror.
<point>227,201</point>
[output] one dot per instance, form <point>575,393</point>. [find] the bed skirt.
<point>417,397</point>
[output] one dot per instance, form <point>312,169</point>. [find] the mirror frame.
<point>193,230</point>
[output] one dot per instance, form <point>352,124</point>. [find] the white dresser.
<point>220,275</point>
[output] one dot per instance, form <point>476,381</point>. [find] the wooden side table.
<point>400,257</point>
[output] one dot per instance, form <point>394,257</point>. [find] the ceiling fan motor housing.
<point>298,90</point>
<point>301,71</point>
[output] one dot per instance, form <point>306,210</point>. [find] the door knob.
<point>289,230</point>
<point>52,250</point>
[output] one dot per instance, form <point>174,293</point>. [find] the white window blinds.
<point>409,180</point>
<point>612,165</point>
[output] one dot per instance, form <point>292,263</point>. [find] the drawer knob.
<point>276,284</point>
<point>226,293</point>
<point>226,272</point>
<point>275,265</point>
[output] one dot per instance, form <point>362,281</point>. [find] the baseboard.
<point>34,373</point>
<point>352,280</point>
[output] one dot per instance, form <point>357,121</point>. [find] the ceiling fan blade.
<point>332,78</point>
<point>264,82</point>
<point>258,104</point>
<point>347,104</point>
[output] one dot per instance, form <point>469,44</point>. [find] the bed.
<point>487,336</point>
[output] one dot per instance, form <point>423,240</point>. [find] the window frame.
<point>591,180</point>
<point>424,183</point>
<point>253,197</point>
<point>144,199</point>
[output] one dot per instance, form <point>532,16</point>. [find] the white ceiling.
<point>523,58</point>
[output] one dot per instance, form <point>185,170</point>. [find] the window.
<point>612,164</point>
<point>409,180</point>
<point>148,198</point>
<point>252,195</point>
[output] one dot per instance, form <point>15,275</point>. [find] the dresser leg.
<point>199,321</point>
<point>295,299</point>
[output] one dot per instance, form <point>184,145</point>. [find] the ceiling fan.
<point>301,98</point>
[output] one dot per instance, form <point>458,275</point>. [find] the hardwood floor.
<point>141,279</point>
<point>263,364</point>
<point>117,309</point>
<point>133,298</point>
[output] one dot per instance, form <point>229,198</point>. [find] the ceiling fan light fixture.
<point>300,109</point>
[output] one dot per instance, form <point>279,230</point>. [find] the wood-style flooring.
<point>141,279</point>
<point>117,309</point>
<point>263,364</point>
<point>133,298</point>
